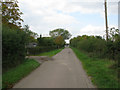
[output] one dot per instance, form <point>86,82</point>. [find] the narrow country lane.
<point>65,71</point>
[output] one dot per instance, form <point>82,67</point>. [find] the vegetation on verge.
<point>98,47</point>
<point>14,37</point>
<point>51,53</point>
<point>95,46</point>
<point>13,47</point>
<point>13,75</point>
<point>100,71</point>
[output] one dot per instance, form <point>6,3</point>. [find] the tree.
<point>30,35</point>
<point>114,34</point>
<point>11,13</point>
<point>46,41</point>
<point>59,41</point>
<point>60,32</point>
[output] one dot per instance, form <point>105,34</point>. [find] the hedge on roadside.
<point>97,47</point>
<point>39,49</point>
<point>13,47</point>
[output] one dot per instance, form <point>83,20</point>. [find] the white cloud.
<point>68,6</point>
<point>84,7</point>
<point>47,10</point>
<point>92,30</point>
<point>111,26</point>
<point>46,15</point>
<point>59,19</point>
<point>113,8</point>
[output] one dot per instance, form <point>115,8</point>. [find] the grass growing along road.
<point>15,74</point>
<point>99,70</point>
<point>50,53</point>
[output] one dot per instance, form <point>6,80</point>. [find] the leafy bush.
<point>98,47</point>
<point>13,47</point>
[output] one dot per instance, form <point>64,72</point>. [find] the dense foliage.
<point>59,41</point>
<point>46,44</point>
<point>11,13</point>
<point>29,34</point>
<point>60,32</point>
<point>98,47</point>
<point>14,38</point>
<point>46,41</point>
<point>13,46</point>
<point>14,41</point>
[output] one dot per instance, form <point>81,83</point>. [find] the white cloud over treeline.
<point>45,15</point>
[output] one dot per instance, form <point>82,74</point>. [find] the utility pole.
<point>106,20</point>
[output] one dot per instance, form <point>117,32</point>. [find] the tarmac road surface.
<point>65,71</point>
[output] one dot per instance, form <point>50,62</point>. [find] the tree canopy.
<point>59,41</point>
<point>11,13</point>
<point>30,35</point>
<point>60,32</point>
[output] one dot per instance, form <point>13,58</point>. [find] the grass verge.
<point>101,74</point>
<point>50,53</point>
<point>12,76</point>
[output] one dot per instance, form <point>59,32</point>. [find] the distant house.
<point>67,45</point>
<point>32,44</point>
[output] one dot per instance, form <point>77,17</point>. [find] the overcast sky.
<point>77,16</point>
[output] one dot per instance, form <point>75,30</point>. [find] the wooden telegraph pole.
<point>106,20</point>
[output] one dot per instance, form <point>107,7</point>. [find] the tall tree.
<point>59,41</point>
<point>11,13</point>
<point>60,32</point>
<point>30,35</point>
